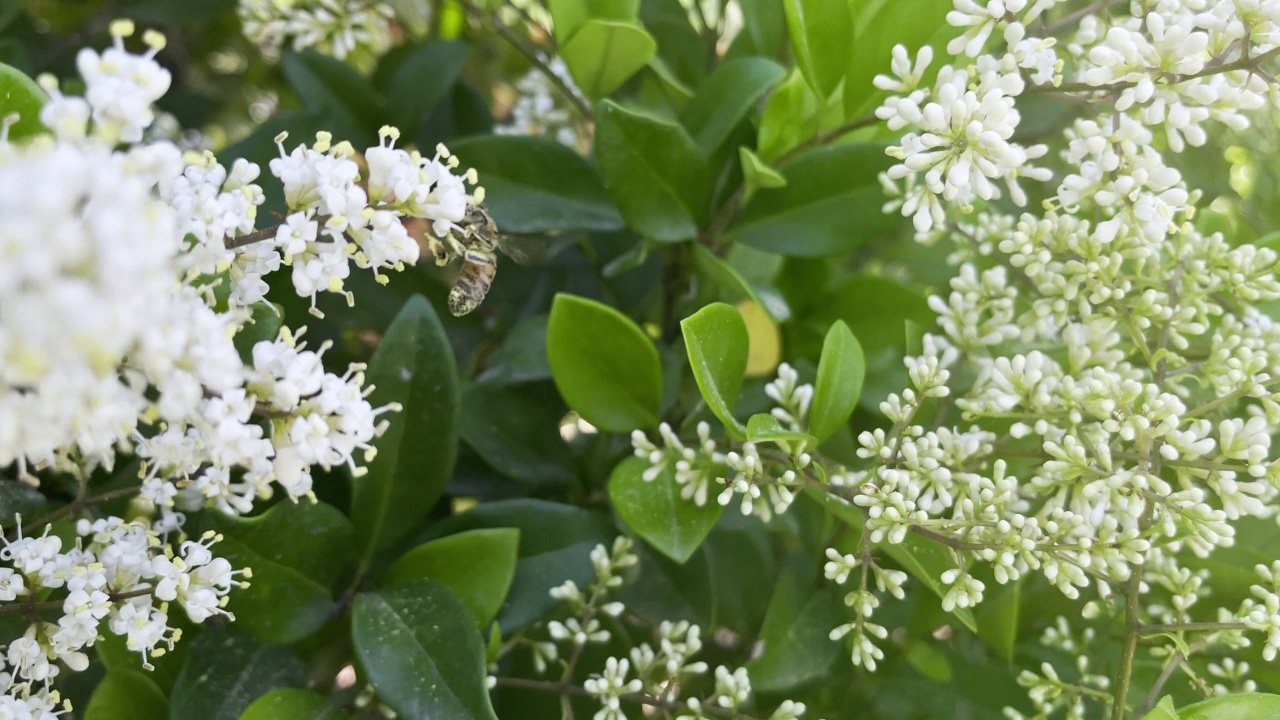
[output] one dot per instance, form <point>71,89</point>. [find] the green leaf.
<point>820,32</point>
<point>733,287</point>
<point>605,367</point>
<point>20,94</point>
<point>796,649</point>
<point>296,552</point>
<point>1240,706</point>
<point>604,54</point>
<point>477,565</point>
<point>997,619</point>
<point>831,204</point>
<point>716,340</point>
<point>792,115</point>
<point>911,23</point>
<point>876,310</point>
<point>763,26</point>
<point>413,366</point>
<point>292,704</point>
<point>523,196</point>
<point>763,427</point>
<point>422,80</point>
<point>127,695</point>
<point>420,648</point>
<point>568,16</point>
<point>555,541</point>
<point>925,560</point>
<point>522,357</point>
<point>756,174</point>
<point>1163,711</point>
<point>655,510</point>
<point>18,499</point>
<point>523,440</point>
<point>929,661</point>
<point>348,104</point>
<point>654,171</point>
<point>841,370</point>
<point>226,671</point>
<point>725,98</point>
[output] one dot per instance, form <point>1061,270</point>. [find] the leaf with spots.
<point>420,648</point>
<point>226,671</point>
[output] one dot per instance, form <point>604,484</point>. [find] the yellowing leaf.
<point>764,341</point>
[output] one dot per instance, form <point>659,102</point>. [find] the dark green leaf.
<point>296,551</point>
<point>20,94</point>
<point>929,661</point>
<point>413,366</point>
<point>18,499</point>
<point>521,440</point>
<point>820,32</point>
<point>763,26</point>
<point>841,370</point>
<point>522,193</point>
<point>422,80</point>
<point>605,367</point>
<point>263,325</point>
<point>127,695</point>
<point>763,427</point>
<point>792,115</point>
<point>831,204</point>
<point>716,340</point>
<point>604,54</point>
<point>683,53</point>
<point>732,285</point>
<point>875,309</point>
<point>555,541</point>
<point>997,618</point>
<point>522,357</point>
<point>292,704</point>
<point>1241,706</point>
<point>337,92</point>
<point>657,512</point>
<point>800,650</point>
<point>225,672</point>
<point>654,171</point>
<point>725,98</point>
<point>477,565</point>
<point>420,648</point>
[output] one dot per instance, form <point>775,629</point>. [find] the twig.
<point>79,504</point>
<point>30,608</point>
<point>533,56</point>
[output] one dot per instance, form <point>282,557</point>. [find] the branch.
<point>29,607</point>
<point>532,55</point>
<point>1146,630</point>
<point>79,504</point>
<point>1244,63</point>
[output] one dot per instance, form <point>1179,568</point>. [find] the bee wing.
<point>524,249</point>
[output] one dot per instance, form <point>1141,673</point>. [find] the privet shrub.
<point>906,359</point>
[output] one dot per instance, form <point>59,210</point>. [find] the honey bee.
<point>476,242</point>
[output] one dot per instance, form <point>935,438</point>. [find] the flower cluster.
<point>130,268</point>
<point>539,110</point>
<point>334,27</point>
<point>650,675</point>
<point>742,472</point>
<point>118,578</point>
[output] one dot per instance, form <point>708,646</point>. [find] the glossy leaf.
<point>420,648</point>
<point>732,286</point>
<point>604,54</point>
<point>477,565</point>
<point>764,427</point>
<point>820,32</point>
<point>792,115</point>
<point>523,196</point>
<point>226,672</point>
<point>841,371</point>
<point>20,94</point>
<point>292,704</point>
<point>727,97</point>
<point>655,510</point>
<point>876,310</point>
<point>296,551</point>
<point>605,367</point>
<point>568,16</point>
<point>555,541</point>
<point>756,174</point>
<point>716,339</point>
<point>654,171</point>
<point>831,204</point>
<point>413,366</point>
<point>422,79</point>
<point>1164,710</point>
<point>127,695</point>
<point>523,440</point>
<point>1239,706</point>
<point>799,650</point>
<point>912,23</point>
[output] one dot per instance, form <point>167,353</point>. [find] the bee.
<point>476,242</point>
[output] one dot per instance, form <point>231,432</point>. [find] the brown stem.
<point>1244,63</point>
<point>1190,627</point>
<point>30,608</point>
<point>533,56</point>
